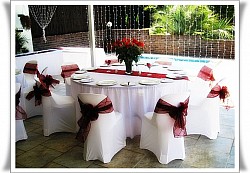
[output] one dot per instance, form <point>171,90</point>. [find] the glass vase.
<point>128,65</point>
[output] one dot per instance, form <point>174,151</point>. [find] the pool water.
<point>188,64</point>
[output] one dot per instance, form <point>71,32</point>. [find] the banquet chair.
<point>159,133</point>
<point>164,61</point>
<point>105,133</point>
<point>29,73</point>
<point>111,61</point>
<point>30,106</point>
<point>203,112</point>
<point>21,133</point>
<point>68,68</point>
<point>58,114</point>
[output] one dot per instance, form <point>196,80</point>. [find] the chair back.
<point>199,91</point>
<point>91,98</point>
<point>69,69</point>
<point>30,67</point>
<point>18,86</point>
<point>173,99</point>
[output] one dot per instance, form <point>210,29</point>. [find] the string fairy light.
<point>195,39</point>
<point>218,40</point>
<point>212,34</point>
<point>231,47</point>
<point>224,40</point>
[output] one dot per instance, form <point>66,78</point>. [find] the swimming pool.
<point>155,57</point>
<point>190,64</point>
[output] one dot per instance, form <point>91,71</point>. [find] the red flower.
<point>128,49</point>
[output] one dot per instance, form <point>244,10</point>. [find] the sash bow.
<point>217,90</point>
<point>47,80</point>
<point>91,113</point>
<point>38,92</point>
<point>177,113</point>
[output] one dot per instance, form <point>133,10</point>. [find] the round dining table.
<point>131,95</point>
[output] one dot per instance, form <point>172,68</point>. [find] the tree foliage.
<point>190,20</point>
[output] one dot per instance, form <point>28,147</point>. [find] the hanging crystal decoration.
<point>42,15</point>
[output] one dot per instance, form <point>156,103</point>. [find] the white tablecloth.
<point>133,102</point>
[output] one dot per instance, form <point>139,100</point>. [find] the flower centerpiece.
<point>128,50</point>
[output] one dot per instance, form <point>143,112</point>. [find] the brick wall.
<point>193,46</point>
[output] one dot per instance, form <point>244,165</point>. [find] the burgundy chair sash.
<point>206,74</point>
<point>217,90</point>
<point>91,113</point>
<point>68,70</point>
<point>47,80</point>
<point>177,113</point>
<point>20,113</point>
<point>38,92</point>
<point>30,68</point>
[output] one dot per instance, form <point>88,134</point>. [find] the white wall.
<point>23,9</point>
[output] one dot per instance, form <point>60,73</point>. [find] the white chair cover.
<point>58,114</point>
<point>20,129</point>
<point>157,133</point>
<point>29,105</point>
<point>28,78</point>
<point>107,134</point>
<point>68,86</point>
<point>203,112</point>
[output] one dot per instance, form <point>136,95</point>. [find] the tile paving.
<point>62,150</point>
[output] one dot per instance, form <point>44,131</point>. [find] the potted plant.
<point>128,50</point>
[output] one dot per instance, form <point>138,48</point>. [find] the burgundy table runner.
<point>135,73</point>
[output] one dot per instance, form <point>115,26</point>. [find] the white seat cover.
<point>58,114</point>
<point>29,79</point>
<point>203,112</point>
<point>20,128</point>
<point>29,105</point>
<point>107,134</point>
<point>157,133</point>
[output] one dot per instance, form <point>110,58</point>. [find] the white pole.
<point>91,35</point>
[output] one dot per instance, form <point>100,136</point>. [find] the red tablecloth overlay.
<point>135,73</point>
